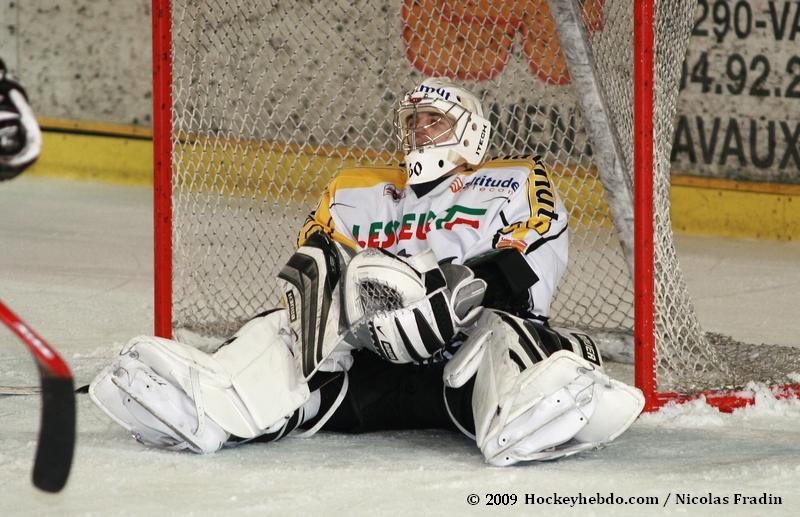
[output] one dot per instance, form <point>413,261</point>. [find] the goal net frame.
<point>638,224</point>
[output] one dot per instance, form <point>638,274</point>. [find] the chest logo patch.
<point>384,234</point>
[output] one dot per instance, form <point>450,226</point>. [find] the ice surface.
<point>76,264</point>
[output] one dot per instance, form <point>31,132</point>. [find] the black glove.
<point>20,138</point>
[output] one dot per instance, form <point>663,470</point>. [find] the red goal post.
<point>257,105</point>
<point>644,335</point>
<point>162,166</point>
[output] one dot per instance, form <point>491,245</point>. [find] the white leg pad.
<point>262,373</point>
<point>248,387</point>
<point>612,410</point>
<point>156,412</point>
<point>616,406</point>
<point>560,406</point>
<point>520,414</point>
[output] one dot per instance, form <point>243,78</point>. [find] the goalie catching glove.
<point>407,311</point>
<point>539,393</point>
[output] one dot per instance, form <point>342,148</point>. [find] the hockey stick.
<point>57,429</point>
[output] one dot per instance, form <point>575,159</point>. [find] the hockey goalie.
<point>418,297</point>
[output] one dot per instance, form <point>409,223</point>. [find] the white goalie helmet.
<point>440,126</point>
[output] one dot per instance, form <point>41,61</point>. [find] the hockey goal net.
<point>258,104</point>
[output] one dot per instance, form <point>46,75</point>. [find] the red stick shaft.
<point>47,358</point>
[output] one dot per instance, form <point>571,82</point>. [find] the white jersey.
<point>504,203</point>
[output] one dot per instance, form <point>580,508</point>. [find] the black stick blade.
<point>56,434</point>
<point>57,431</point>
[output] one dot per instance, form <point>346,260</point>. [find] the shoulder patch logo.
<point>393,192</point>
<point>517,244</point>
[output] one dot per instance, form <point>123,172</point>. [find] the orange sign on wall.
<point>473,39</point>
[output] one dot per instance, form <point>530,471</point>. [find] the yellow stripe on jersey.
<point>357,177</point>
<point>321,221</point>
<point>531,162</point>
<point>541,198</point>
<point>366,177</point>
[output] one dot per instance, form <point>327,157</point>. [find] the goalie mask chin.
<point>440,126</point>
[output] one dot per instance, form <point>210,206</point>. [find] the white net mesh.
<point>272,98</point>
<point>697,365</point>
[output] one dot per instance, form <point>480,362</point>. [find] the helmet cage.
<point>411,137</point>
